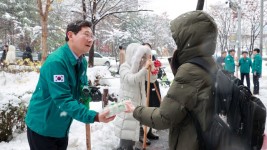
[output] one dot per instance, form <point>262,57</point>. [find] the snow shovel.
<point>86,99</point>
<point>147,104</point>
<point>157,91</point>
<point>88,136</point>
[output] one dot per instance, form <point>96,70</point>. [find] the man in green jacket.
<point>195,34</point>
<point>245,64</point>
<point>56,100</point>
<point>256,70</point>
<point>230,62</point>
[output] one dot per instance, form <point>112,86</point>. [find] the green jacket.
<point>245,65</point>
<point>229,64</point>
<point>54,102</point>
<point>257,64</point>
<point>191,87</point>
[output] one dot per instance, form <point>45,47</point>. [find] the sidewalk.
<point>160,144</point>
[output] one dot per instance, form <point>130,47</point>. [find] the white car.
<point>99,60</point>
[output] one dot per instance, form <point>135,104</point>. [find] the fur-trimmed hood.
<point>134,54</point>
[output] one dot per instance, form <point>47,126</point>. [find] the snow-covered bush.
<point>97,75</point>
<point>11,120</point>
<point>21,66</point>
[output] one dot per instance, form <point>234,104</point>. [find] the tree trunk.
<point>200,4</point>
<point>84,9</point>
<point>44,19</point>
<point>44,39</point>
<point>91,53</point>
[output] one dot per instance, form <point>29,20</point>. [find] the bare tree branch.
<point>102,7</point>
<point>130,11</point>
<point>39,3</point>
<point>114,6</point>
<point>48,3</point>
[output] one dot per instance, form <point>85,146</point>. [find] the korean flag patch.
<point>58,78</point>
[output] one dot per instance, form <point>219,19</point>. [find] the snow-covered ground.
<point>20,85</point>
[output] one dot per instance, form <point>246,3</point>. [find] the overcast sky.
<point>176,7</point>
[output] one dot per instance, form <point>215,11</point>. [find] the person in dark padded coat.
<point>195,35</point>
<point>27,54</point>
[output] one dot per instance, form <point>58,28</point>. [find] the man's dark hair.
<point>244,52</point>
<point>147,44</point>
<point>223,52</point>
<point>6,45</point>
<point>76,26</point>
<point>231,50</point>
<point>120,47</point>
<point>257,49</point>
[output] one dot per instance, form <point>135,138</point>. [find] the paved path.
<point>160,144</point>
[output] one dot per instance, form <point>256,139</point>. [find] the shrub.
<point>21,66</point>
<point>11,120</point>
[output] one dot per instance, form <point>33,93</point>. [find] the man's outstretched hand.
<point>102,117</point>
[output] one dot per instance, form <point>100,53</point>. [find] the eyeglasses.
<point>89,36</point>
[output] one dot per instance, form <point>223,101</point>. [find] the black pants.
<point>256,83</point>
<point>154,100</point>
<point>39,142</point>
<point>247,79</point>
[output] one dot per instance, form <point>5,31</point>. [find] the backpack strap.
<point>205,65</point>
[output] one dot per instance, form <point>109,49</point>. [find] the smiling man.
<point>56,100</point>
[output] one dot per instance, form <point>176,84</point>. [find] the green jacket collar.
<point>70,55</point>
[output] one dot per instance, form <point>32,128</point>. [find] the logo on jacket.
<point>58,78</point>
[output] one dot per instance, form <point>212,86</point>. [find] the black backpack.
<point>245,113</point>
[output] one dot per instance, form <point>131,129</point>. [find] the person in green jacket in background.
<point>256,70</point>
<point>56,100</point>
<point>245,64</point>
<point>230,62</point>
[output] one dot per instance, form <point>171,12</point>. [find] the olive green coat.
<point>195,35</point>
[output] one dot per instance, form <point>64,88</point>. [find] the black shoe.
<point>152,136</point>
<point>147,141</point>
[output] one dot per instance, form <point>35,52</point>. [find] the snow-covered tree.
<point>99,10</point>
<point>123,29</point>
<point>226,20</point>
<point>227,24</point>
<point>251,23</point>
<point>16,21</point>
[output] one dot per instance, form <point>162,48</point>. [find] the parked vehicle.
<point>99,60</point>
<point>19,54</point>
